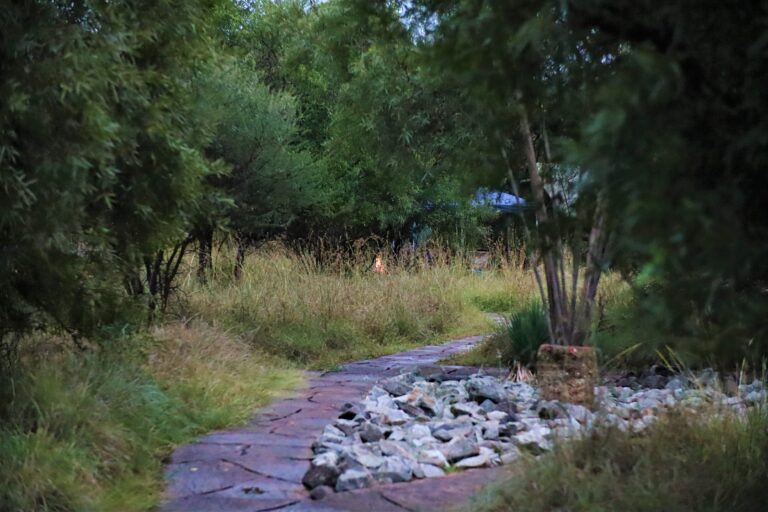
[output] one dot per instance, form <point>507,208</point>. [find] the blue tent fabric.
<point>501,201</point>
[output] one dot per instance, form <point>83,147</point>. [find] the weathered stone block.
<point>567,373</point>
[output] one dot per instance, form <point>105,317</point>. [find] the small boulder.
<point>491,430</point>
<point>535,441</point>
<point>349,411</point>
<point>320,475</point>
<point>432,457</point>
<point>320,492</point>
<point>551,410</point>
<point>396,386</point>
<point>459,448</point>
<point>481,388</point>
<point>370,433</point>
<point>448,431</point>
<point>353,479</point>
<point>366,457</point>
<point>431,471</point>
<point>394,469</point>
<point>465,408</point>
<point>477,461</point>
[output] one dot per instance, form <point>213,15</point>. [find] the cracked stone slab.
<point>259,467</point>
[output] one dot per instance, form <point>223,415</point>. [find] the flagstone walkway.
<point>258,467</point>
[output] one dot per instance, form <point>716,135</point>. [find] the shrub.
<point>527,330</point>
<point>515,341</point>
<point>682,465</point>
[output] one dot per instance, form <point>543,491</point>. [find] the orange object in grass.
<point>378,265</point>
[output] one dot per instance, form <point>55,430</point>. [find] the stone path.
<point>258,467</point>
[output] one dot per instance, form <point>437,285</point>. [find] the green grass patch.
<point>88,432</point>
<point>515,341</point>
<point>682,465</point>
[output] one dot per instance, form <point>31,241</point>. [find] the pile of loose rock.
<point>414,427</point>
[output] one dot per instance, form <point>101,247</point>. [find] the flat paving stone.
<point>259,467</point>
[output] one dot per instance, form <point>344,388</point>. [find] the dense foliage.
<point>661,111</point>
<point>100,146</point>
<point>130,133</point>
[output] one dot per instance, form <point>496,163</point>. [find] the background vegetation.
<point>192,194</point>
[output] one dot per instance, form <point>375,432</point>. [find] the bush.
<point>526,331</point>
<point>682,465</point>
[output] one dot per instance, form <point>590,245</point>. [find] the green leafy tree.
<point>661,110</point>
<point>100,150</point>
<point>272,179</point>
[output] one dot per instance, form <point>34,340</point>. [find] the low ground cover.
<point>89,431</point>
<point>682,464</point>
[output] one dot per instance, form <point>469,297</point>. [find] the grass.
<point>621,336</point>
<point>320,315</point>
<point>515,341</point>
<point>682,465</point>
<point>88,432</point>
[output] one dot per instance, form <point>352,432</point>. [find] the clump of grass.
<point>319,315</point>
<point>526,331</point>
<point>682,465</point>
<point>515,341</point>
<point>518,340</point>
<point>87,432</point>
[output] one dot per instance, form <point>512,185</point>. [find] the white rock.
<point>431,471</point>
<point>432,457</point>
<point>498,416</point>
<point>329,458</point>
<point>535,440</point>
<point>366,457</point>
<point>474,462</point>
<point>353,479</point>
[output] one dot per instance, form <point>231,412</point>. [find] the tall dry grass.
<point>321,312</point>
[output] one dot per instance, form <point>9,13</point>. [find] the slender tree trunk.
<point>242,246</point>
<point>554,291</point>
<point>204,253</point>
<point>596,255</point>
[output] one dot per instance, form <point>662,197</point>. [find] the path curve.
<point>258,467</point>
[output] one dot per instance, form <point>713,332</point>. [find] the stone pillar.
<point>567,373</point>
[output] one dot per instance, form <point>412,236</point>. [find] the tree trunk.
<point>596,254</point>
<point>204,253</point>
<point>555,301</point>
<point>569,318</point>
<point>242,246</point>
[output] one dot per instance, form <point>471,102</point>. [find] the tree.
<point>272,180</point>
<point>679,133</point>
<point>100,149</point>
<point>538,71</point>
<point>661,109</point>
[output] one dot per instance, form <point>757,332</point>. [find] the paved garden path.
<point>258,467</point>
